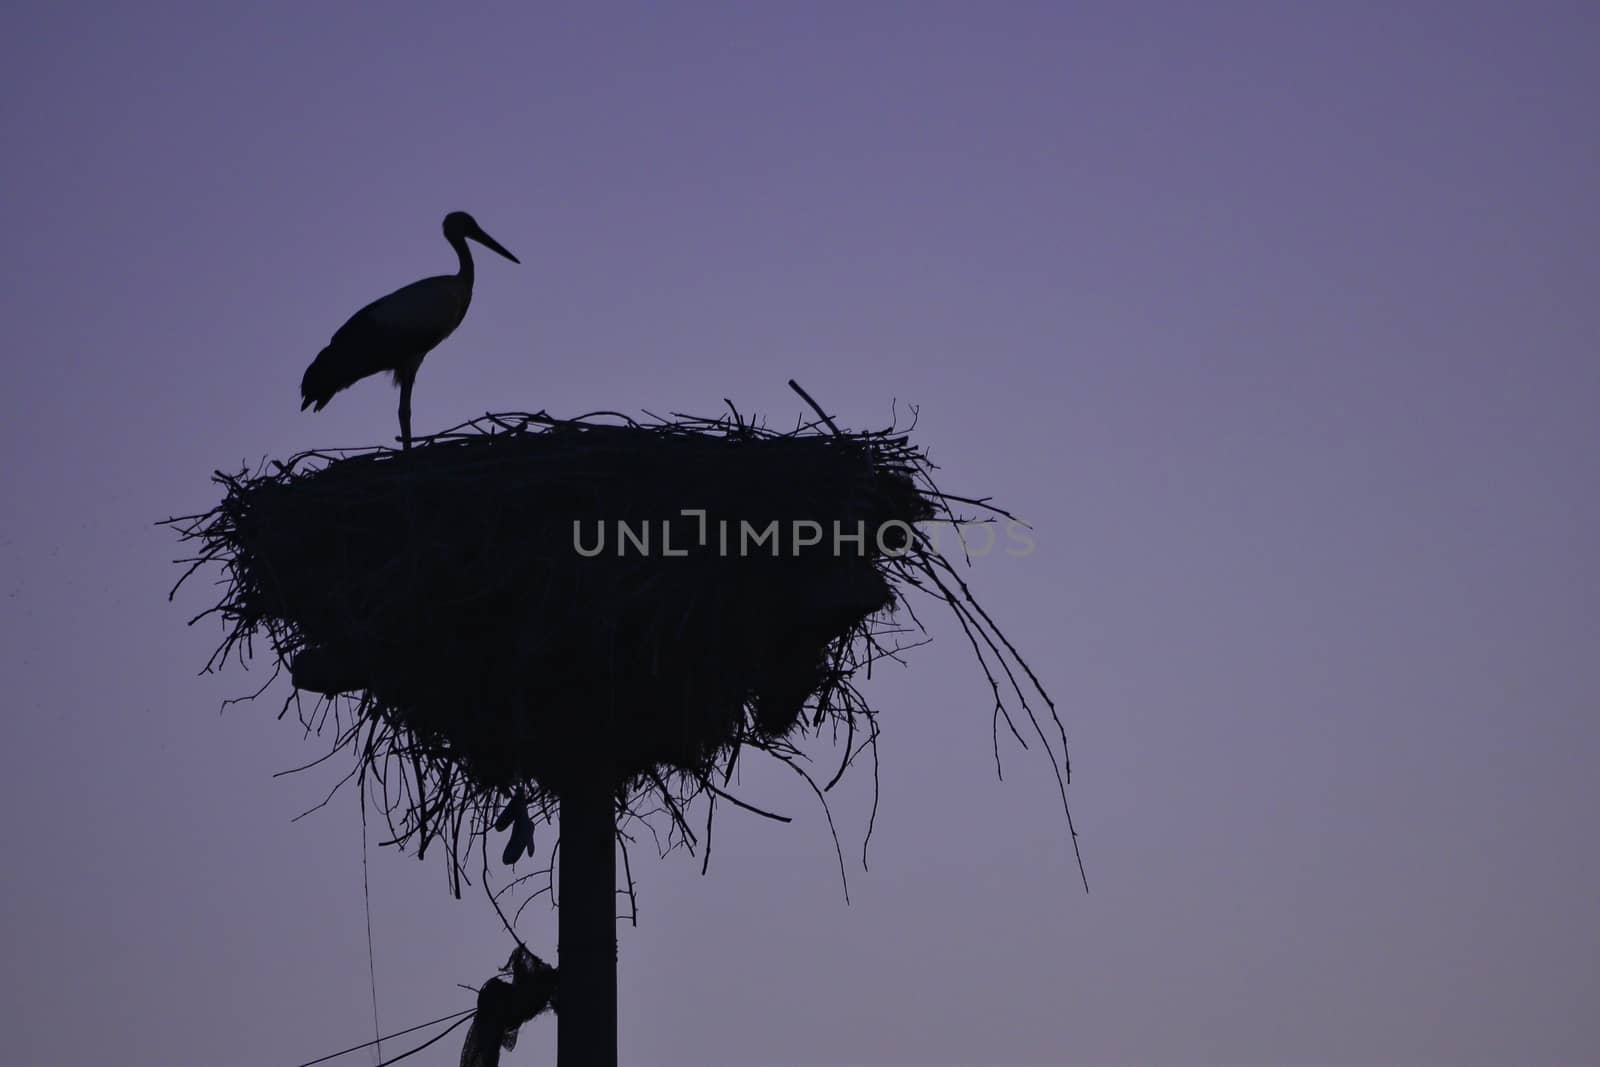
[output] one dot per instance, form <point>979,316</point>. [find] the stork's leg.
<point>405,409</point>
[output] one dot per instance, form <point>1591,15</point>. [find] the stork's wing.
<point>385,335</point>
<point>417,316</point>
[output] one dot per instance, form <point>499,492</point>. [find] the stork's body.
<point>395,332</point>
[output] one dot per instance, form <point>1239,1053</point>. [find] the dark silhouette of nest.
<point>444,608</point>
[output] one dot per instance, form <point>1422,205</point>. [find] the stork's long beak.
<point>491,244</point>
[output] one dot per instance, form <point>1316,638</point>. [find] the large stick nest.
<point>523,600</point>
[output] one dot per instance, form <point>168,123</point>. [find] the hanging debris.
<point>503,1006</point>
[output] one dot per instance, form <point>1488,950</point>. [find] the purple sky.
<point>1278,322</point>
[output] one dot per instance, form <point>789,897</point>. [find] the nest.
<point>523,601</point>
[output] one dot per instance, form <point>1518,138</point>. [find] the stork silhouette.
<point>394,333</point>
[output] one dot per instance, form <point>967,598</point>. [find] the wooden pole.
<point>586,1021</point>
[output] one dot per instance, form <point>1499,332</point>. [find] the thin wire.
<point>372,967</point>
<point>425,1044</point>
<point>397,1033</point>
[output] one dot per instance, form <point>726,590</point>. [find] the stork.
<point>394,332</point>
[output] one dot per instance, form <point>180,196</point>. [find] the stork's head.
<point>459,224</point>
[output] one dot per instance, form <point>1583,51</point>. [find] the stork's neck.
<point>464,256</point>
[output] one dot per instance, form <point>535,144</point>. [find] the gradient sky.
<point>1278,321</point>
